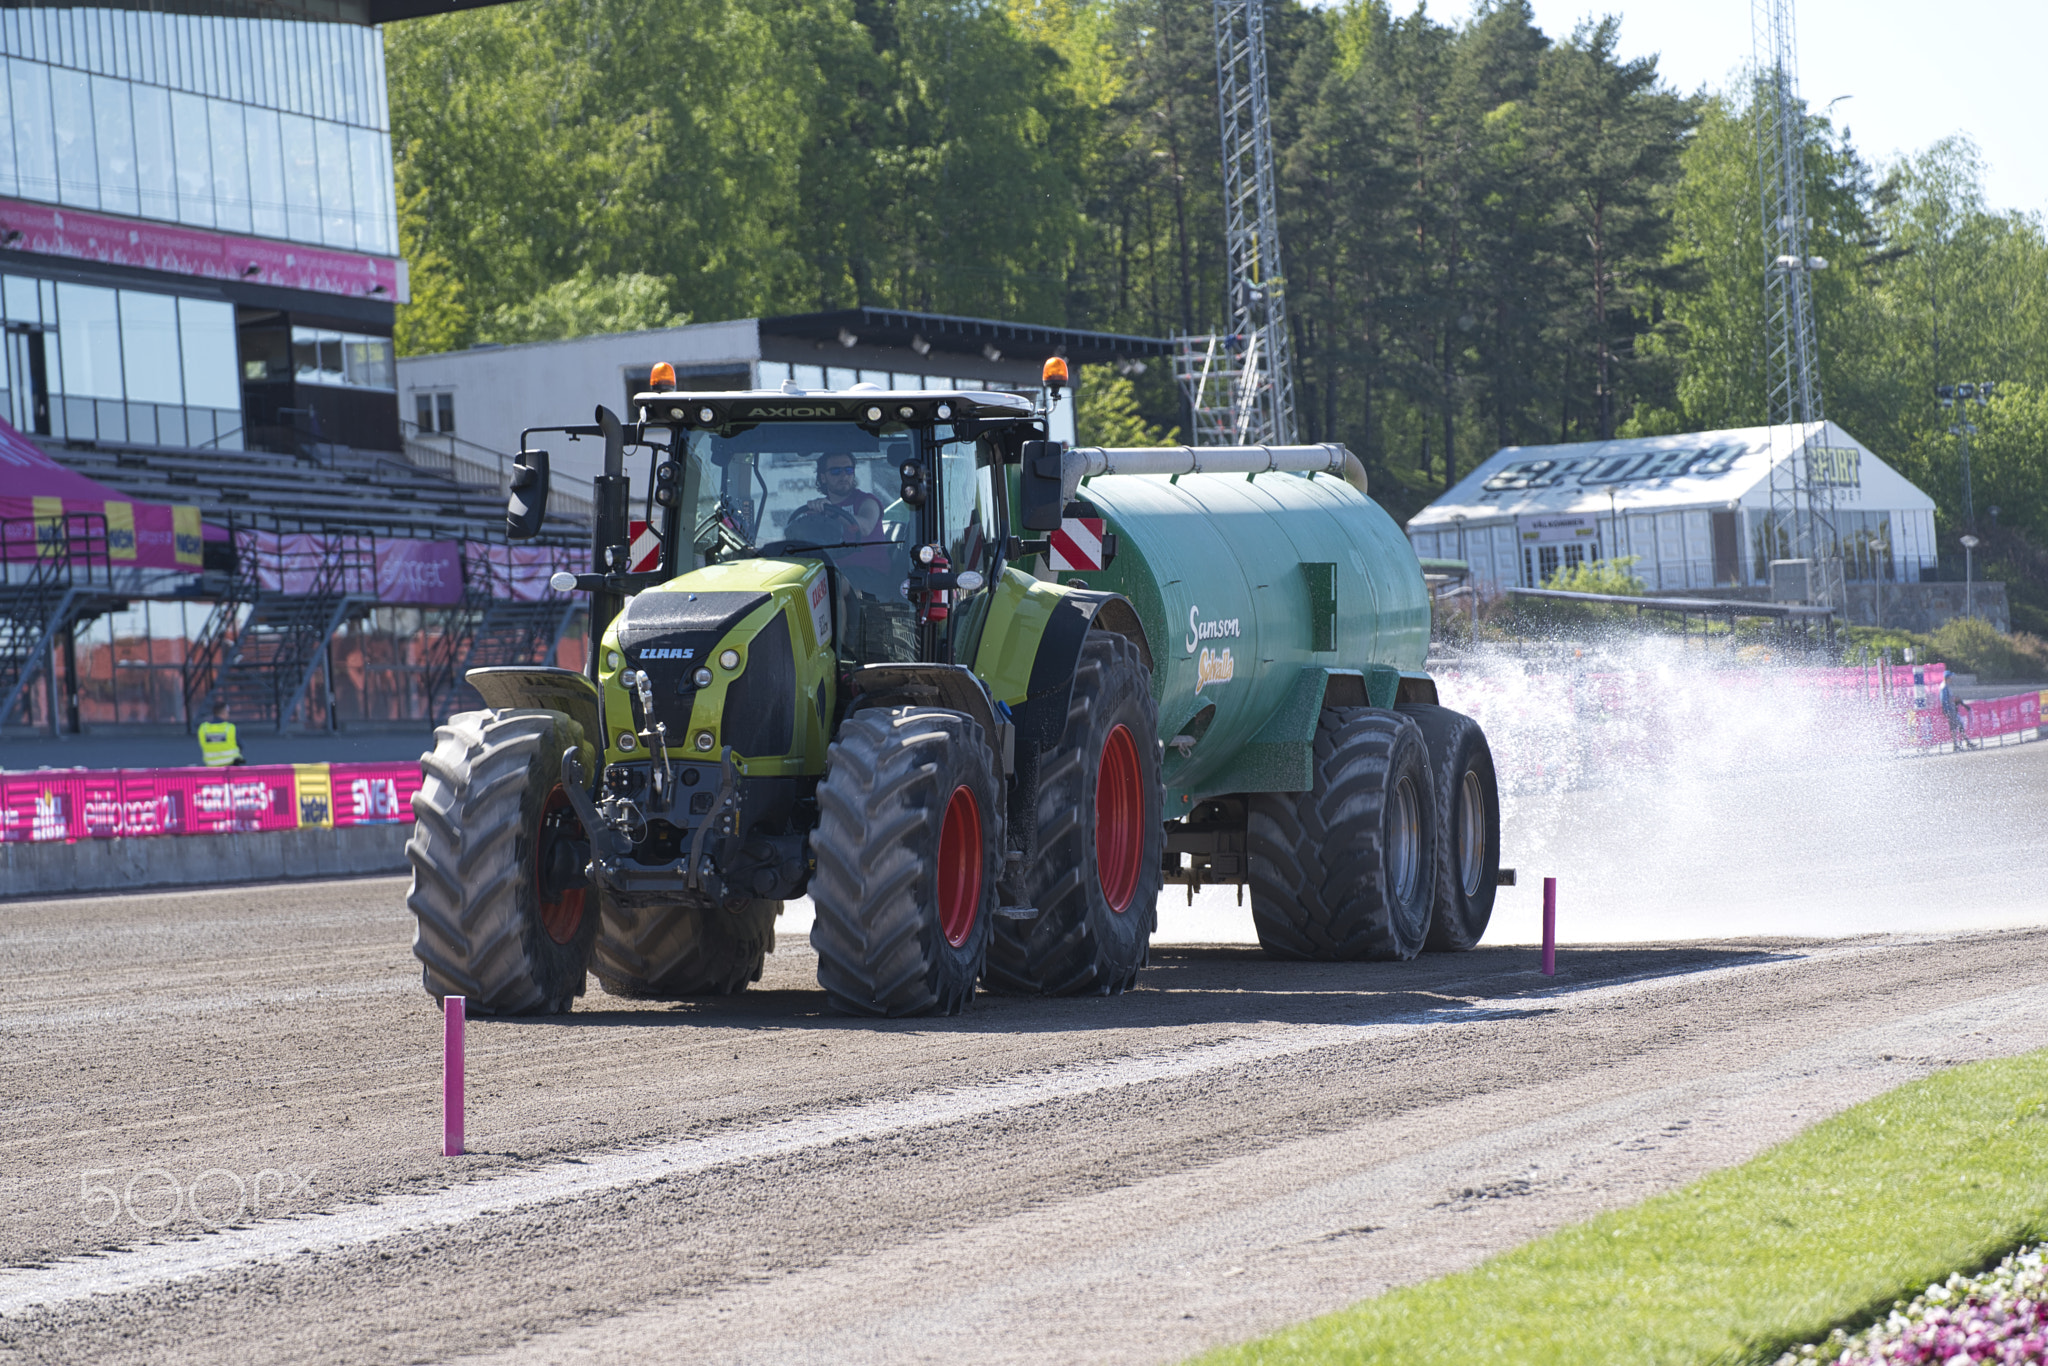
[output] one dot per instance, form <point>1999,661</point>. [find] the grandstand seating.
<point>335,484</point>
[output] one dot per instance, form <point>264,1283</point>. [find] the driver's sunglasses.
<point>839,469</point>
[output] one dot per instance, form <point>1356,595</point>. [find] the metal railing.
<point>475,466</point>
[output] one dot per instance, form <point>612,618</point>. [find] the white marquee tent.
<point>1694,510</point>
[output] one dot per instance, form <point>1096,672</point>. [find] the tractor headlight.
<point>627,740</point>
<point>702,678</point>
<point>704,741</point>
<point>729,659</point>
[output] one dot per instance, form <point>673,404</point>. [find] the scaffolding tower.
<point>1803,479</point>
<point>1240,384</point>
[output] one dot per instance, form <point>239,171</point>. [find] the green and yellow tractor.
<point>976,694</point>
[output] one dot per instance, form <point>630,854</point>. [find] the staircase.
<point>216,639</point>
<point>69,563</point>
<point>283,640</point>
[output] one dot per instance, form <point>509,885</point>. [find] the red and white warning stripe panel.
<point>644,557</point>
<point>1077,544</point>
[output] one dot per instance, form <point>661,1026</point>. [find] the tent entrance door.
<point>28,379</point>
<point>1726,541</point>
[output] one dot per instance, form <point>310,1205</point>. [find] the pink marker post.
<point>1550,927</point>
<point>454,1016</point>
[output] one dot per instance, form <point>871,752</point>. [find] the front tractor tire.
<point>659,950</point>
<point>1095,877</point>
<point>1468,825</point>
<point>1348,869</point>
<point>908,848</point>
<point>501,915</point>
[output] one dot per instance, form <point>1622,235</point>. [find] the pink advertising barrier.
<point>407,570</point>
<point>1986,718</point>
<point>75,804</point>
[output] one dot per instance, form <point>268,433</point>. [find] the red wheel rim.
<point>563,916</point>
<point>1119,820</point>
<point>960,858</point>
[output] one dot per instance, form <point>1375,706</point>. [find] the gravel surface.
<point>1236,1145</point>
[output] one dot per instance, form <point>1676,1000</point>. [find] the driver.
<point>838,480</point>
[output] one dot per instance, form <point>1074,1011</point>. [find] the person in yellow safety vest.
<point>217,741</point>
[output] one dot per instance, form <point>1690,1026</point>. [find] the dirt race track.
<point>1237,1145</point>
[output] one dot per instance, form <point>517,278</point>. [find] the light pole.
<point>1880,568</point>
<point>1471,583</point>
<point>1969,555</point>
<point>1949,395</point>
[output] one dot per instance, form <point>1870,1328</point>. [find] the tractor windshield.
<point>832,491</point>
<point>809,488</point>
<point>825,490</point>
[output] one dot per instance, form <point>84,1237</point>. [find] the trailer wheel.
<point>1468,825</point>
<point>909,844</point>
<point>1348,869</point>
<point>496,854</point>
<point>1095,877</point>
<point>663,951</point>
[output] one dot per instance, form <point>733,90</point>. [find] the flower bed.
<point>1999,1317</point>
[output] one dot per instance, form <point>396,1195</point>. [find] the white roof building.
<point>487,396</point>
<point>1694,510</point>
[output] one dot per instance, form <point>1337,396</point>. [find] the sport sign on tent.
<point>139,535</point>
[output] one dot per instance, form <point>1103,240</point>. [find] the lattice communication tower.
<point>1241,384</point>
<point>1802,481</point>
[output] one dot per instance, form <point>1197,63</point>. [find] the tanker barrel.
<point>1327,458</point>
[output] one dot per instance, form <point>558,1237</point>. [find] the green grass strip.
<point>1943,1174</point>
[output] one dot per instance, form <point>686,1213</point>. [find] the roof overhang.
<point>927,332</point>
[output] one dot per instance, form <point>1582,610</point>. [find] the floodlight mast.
<point>1802,487</point>
<point>1240,386</point>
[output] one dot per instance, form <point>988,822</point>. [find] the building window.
<point>342,358</point>
<point>435,412</point>
<point>274,127</point>
<point>1539,562</point>
<point>117,365</point>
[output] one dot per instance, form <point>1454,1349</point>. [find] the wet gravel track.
<point>1234,1146</point>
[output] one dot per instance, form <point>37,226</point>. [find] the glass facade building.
<point>277,128</point>
<point>196,226</point>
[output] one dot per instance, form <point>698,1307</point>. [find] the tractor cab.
<point>899,494</point>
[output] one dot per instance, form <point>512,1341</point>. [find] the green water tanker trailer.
<point>978,695</point>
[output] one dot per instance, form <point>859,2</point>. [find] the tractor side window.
<point>969,525</point>
<point>967,505</point>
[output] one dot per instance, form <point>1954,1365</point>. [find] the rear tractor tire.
<point>1468,825</point>
<point>497,853</point>
<point>909,844</point>
<point>1095,877</point>
<point>1348,869</point>
<point>663,951</point>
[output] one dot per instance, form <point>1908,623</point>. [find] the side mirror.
<point>1038,486</point>
<point>528,506</point>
